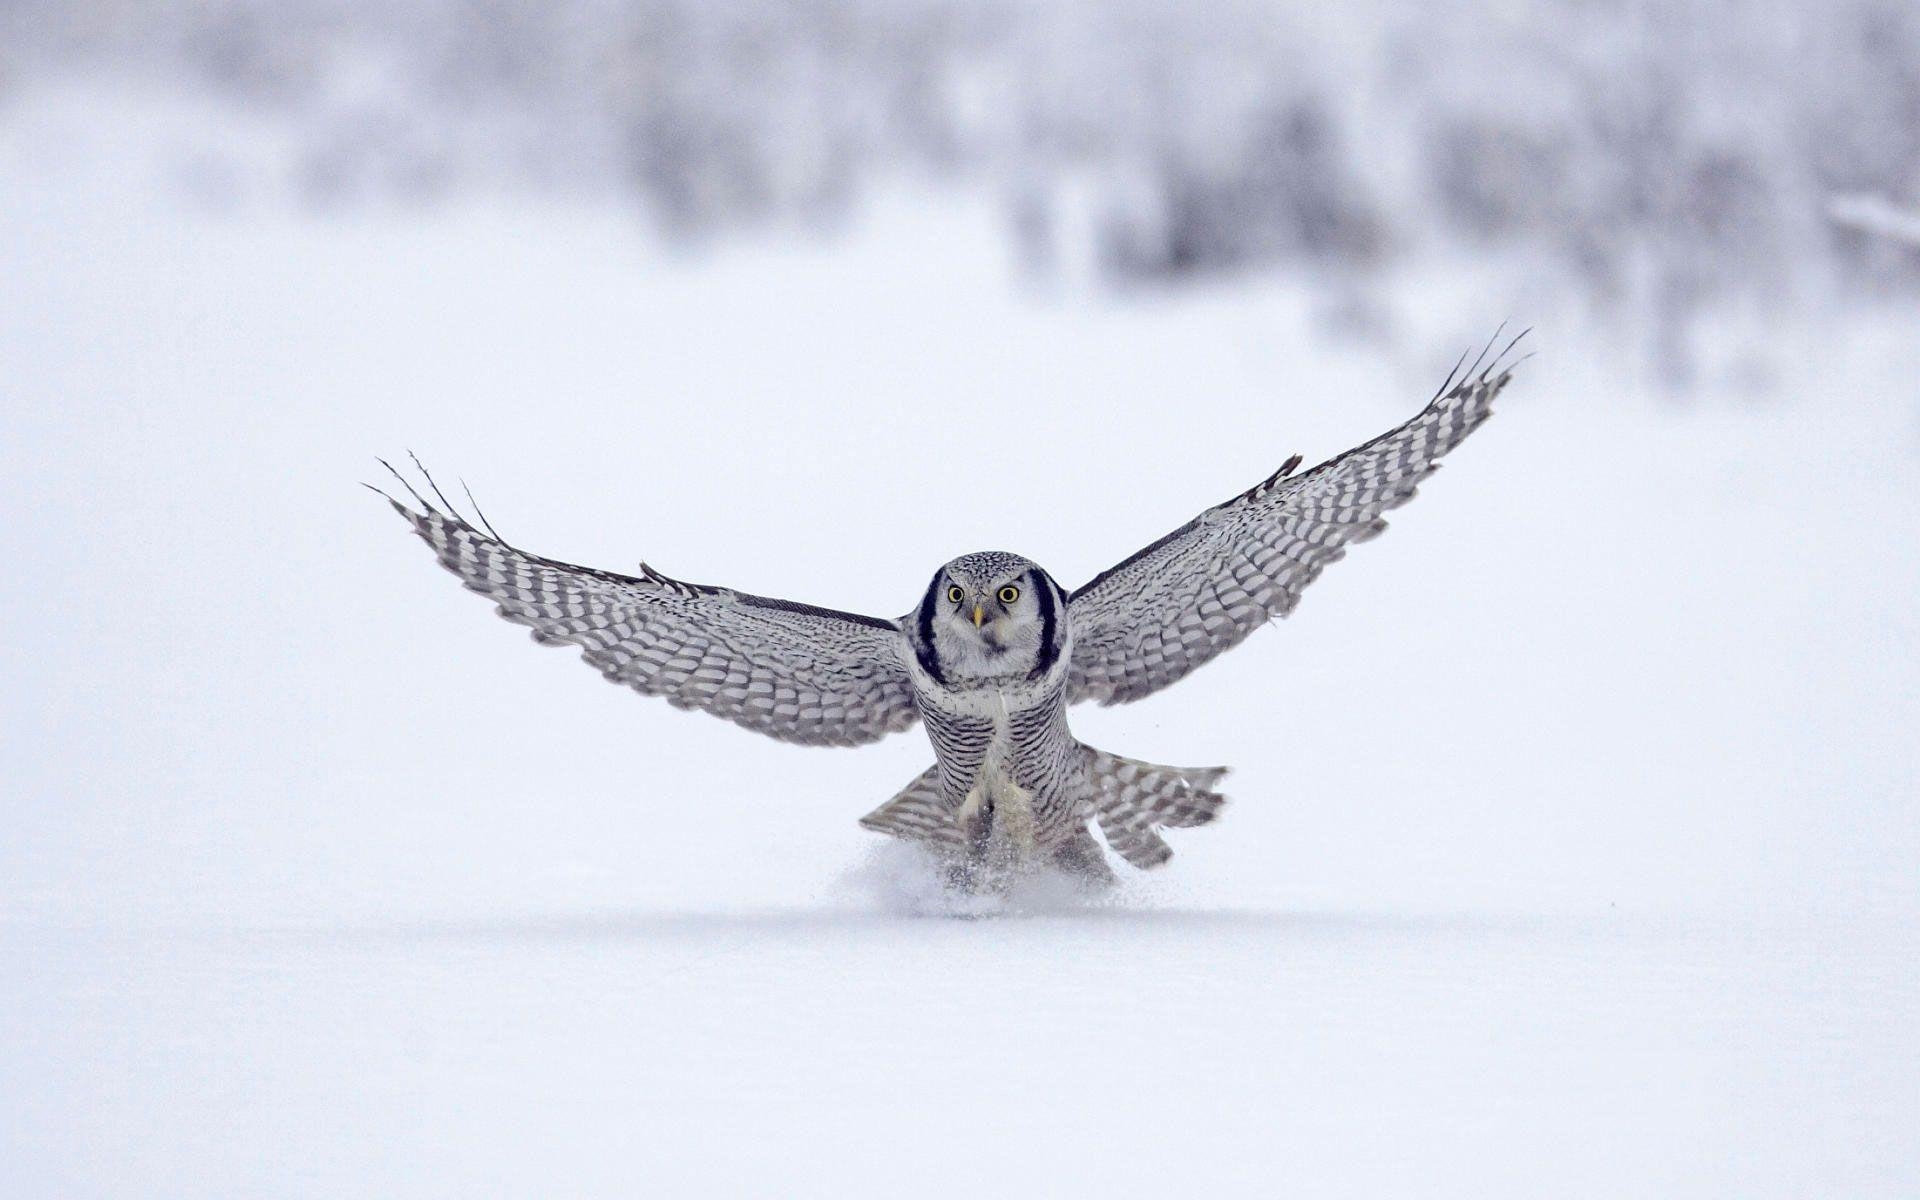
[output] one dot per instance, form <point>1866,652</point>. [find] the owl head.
<point>992,613</point>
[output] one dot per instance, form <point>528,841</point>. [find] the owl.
<point>992,657</point>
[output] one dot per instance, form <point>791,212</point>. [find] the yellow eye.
<point>954,594</point>
<point>1009,594</point>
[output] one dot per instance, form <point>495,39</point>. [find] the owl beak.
<point>979,615</point>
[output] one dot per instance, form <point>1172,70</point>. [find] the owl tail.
<point>1133,799</point>
<point>919,814</point>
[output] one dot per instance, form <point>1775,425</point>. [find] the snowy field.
<point>1575,845</point>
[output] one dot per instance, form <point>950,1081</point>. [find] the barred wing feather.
<point>1203,588</point>
<point>794,672</point>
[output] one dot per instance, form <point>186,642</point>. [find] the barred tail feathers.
<point>1133,800</point>
<point>919,813</point>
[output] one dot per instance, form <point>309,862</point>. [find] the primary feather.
<point>1198,592</point>
<point>792,671</point>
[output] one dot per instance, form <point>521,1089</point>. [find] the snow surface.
<point>1575,833</point>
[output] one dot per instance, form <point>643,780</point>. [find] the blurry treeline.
<point>1659,161</point>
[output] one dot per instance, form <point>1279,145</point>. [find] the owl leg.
<point>997,828</point>
<point>1084,860</point>
<point>974,870</point>
<point>966,876</point>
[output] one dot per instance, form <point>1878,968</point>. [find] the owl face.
<point>986,613</point>
<point>987,597</point>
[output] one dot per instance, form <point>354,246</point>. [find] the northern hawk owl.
<point>993,654</point>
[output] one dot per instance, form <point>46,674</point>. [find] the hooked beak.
<point>979,614</point>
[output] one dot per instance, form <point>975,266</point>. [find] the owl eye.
<point>1009,594</point>
<point>954,594</point>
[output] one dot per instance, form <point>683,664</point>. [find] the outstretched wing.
<point>791,671</point>
<point>1203,588</point>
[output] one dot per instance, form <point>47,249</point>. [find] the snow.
<point>1574,826</point>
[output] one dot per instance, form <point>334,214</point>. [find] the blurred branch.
<point>1876,215</point>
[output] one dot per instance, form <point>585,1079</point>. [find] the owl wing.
<point>1203,588</point>
<point>791,671</point>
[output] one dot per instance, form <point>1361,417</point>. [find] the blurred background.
<point>1687,178</point>
<point>1576,820</point>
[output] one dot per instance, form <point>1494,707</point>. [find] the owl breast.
<point>1006,763</point>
